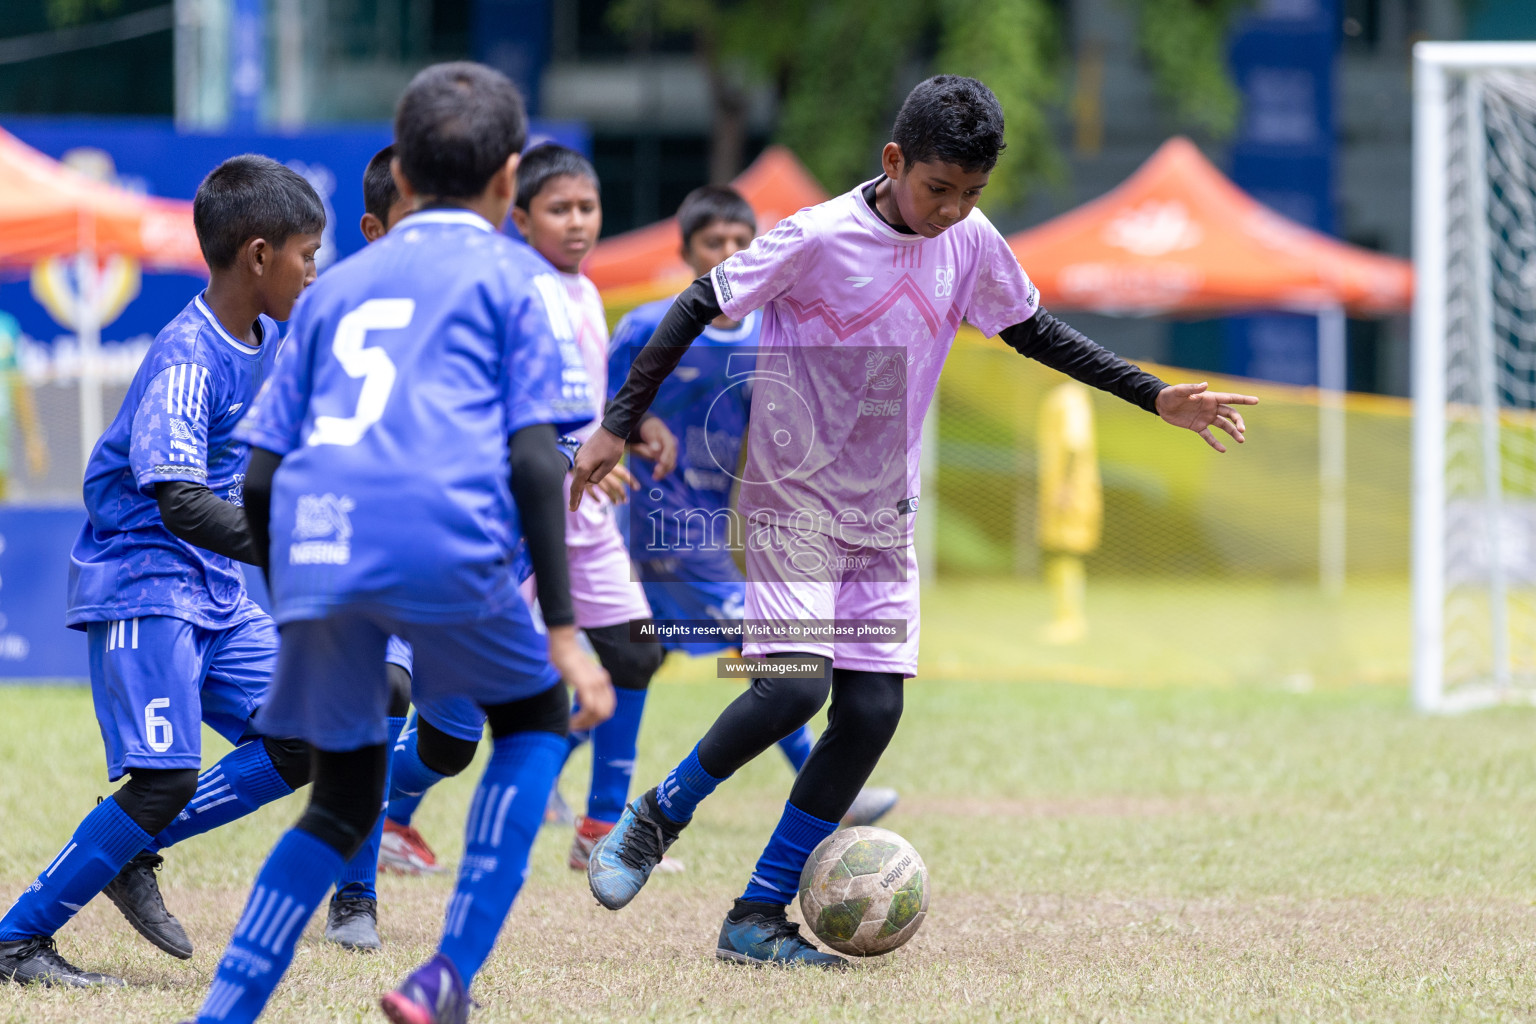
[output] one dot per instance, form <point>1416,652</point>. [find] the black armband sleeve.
<point>1047,340</point>
<point>258,499</point>
<point>538,475</point>
<point>690,314</point>
<point>193,513</point>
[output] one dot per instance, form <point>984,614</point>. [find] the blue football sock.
<point>105,841</point>
<point>240,782</point>
<point>504,818</point>
<point>777,877</point>
<point>613,756</point>
<point>360,875</point>
<point>797,746</point>
<point>576,737</point>
<point>409,778</point>
<point>680,792</point>
<point>289,888</point>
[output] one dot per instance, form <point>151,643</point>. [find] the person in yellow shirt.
<point>1071,516</point>
<point>16,408</point>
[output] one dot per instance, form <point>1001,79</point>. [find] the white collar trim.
<point>240,346</point>
<point>466,217</point>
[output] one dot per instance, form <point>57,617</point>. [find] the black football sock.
<point>743,909</point>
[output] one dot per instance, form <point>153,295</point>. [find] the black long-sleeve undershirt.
<point>538,475</point>
<point>1042,337</point>
<point>1047,340</point>
<point>196,515</point>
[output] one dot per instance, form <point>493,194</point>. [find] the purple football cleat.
<point>433,994</point>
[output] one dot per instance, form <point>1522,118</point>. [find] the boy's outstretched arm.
<point>690,314</point>
<point>1192,406</point>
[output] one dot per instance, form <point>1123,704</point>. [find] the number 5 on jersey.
<point>373,365</point>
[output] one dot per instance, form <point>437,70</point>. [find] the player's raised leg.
<point>771,708</point>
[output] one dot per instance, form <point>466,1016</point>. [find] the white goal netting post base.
<point>1474,337</point>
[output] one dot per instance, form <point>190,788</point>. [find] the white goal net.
<point>1474,374</point>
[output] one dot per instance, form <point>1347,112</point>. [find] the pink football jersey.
<point>594,519</point>
<point>857,321</point>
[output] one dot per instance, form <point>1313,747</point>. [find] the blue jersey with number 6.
<point>406,368</point>
<point>177,422</point>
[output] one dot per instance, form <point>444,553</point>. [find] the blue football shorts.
<point>331,689</point>
<point>677,593</point>
<point>155,679</point>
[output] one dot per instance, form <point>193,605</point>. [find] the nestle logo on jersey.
<point>322,530</point>
<point>884,407</point>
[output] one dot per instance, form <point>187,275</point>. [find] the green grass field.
<point>1197,837</point>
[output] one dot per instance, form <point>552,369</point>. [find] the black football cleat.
<point>136,893</point>
<point>353,923</point>
<point>36,961</point>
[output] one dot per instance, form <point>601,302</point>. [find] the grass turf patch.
<point>1185,853</point>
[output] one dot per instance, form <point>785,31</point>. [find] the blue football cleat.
<point>622,861</point>
<point>872,804</point>
<point>433,994</point>
<point>764,939</point>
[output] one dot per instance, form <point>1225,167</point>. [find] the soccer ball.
<point>864,891</point>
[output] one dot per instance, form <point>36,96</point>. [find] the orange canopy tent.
<point>47,209</point>
<point>646,264</point>
<point>50,210</point>
<point>1177,237</point>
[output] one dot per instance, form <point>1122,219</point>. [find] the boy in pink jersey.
<point>559,212</point>
<point>861,297</point>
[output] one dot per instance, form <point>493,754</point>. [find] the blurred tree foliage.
<point>839,67</point>
<point>64,13</point>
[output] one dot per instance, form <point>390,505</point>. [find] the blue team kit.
<point>671,526</point>
<point>427,349</point>
<point>173,637</point>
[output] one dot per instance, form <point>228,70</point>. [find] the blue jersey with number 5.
<point>406,368</point>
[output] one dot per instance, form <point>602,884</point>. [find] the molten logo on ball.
<point>864,891</point>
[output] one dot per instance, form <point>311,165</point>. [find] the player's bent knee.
<point>630,663</point>
<point>399,690</point>
<point>875,700</point>
<point>293,760</point>
<point>548,711</point>
<point>347,797</point>
<point>444,754</point>
<point>793,701</point>
<point>152,797</point>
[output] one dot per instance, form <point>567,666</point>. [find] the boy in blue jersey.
<point>395,509</point>
<point>352,918</point>
<point>558,209</point>
<point>679,522</point>
<point>174,640</point>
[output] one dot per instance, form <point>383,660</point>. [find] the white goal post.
<point>1474,375</point>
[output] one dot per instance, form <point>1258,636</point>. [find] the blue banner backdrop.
<point>1282,58</point>
<point>34,568</point>
<point>150,155</point>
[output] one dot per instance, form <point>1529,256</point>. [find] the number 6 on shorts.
<point>157,730</point>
